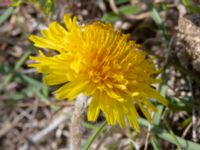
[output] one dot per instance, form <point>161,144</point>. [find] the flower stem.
<point>77,118</point>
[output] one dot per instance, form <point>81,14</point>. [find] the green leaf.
<point>7,13</point>
<point>112,17</point>
<point>130,9</point>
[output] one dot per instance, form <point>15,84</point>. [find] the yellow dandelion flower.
<point>98,61</point>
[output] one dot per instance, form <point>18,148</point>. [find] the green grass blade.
<point>27,80</point>
<point>157,19</point>
<point>176,105</point>
<point>155,143</point>
<point>158,114</point>
<point>8,12</point>
<point>94,136</point>
<point>88,125</point>
<point>12,73</point>
<point>173,135</point>
<point>119,2</point>
<point>163,134</point>
<point>190,6</point>
<point>22,60</point>
<point>46,100</point>
<point>45,89</point>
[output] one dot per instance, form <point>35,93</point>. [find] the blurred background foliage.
<point>47,6</point>
<point>31,118</point>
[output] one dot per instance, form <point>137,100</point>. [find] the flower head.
<point>98,61</point>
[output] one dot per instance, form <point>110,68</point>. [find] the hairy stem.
<point>77,117</point>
